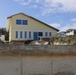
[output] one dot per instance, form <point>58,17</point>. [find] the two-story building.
<point>71,32</point>
<point>22,27</point>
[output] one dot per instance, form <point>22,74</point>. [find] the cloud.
<point>73,20</point>
<point>23,2</point>
<point>69,26</point>
<point>34,6</point>
<point>51,6</point>
<point>66,27</point>
<point>56,25</point>
<point>59,6</point>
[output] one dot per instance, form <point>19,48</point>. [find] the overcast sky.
<point>60,14</point>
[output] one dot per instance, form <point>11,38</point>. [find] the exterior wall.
<point>37,60</point>
<point>38,65</point>
<point>32,26</point>
<point>2,38</point>
<point>49,65</point>
<point>70,33</point>
<point>9,65</point>
<point>8,24</point>
<point>27,38</point>
<point>61,34</point>
<point>10,33</point>
<point>17,42</point>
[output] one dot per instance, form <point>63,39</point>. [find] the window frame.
<point>18,22</point>
<point>49,33</point>
<point>46,34</point>
<point>16,34</point>
<point>25,34</point>
<point>21,34</point>
<point>22,22</point>
<point>40,33</point>
<point>26,22</point>
<point>29,34</point>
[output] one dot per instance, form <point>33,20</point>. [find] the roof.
<point>34,19</point>
<point>71,30</point>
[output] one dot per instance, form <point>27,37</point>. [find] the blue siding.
<point>16,34</point>
<point>20,34</point>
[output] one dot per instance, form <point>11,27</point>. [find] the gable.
<point>33,24</point>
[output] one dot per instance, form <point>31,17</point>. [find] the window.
<point>46,33</point>
<point>74,31</point>
<point>16,34</point>
<point>25,22</point>
<point>40,34</point>
<point>18,22</point>
<point>20,34</point>
<point>21,22</point>
<point>29,34</point>
<point>25,35</point>
<point>49,33</point>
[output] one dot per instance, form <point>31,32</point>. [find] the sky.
<point>60,14</point>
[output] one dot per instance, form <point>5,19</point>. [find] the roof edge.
<point>34,19</point>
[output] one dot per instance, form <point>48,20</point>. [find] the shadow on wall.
<point>64,73</point>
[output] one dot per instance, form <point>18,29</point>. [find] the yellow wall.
<point>33,25</point>
<point>8,25</point>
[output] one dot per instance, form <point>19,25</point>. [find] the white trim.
<point>32,35</point>
<point>33,30</point>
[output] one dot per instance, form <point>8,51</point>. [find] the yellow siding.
<point>8,25</point>
<point>33,25</point>
<point>13,35</point>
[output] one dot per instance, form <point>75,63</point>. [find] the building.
<point>2,38</point>
<point>22,27</point>
<point>61,34</point>
<point>2,34</point>
<point>71,32</point>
